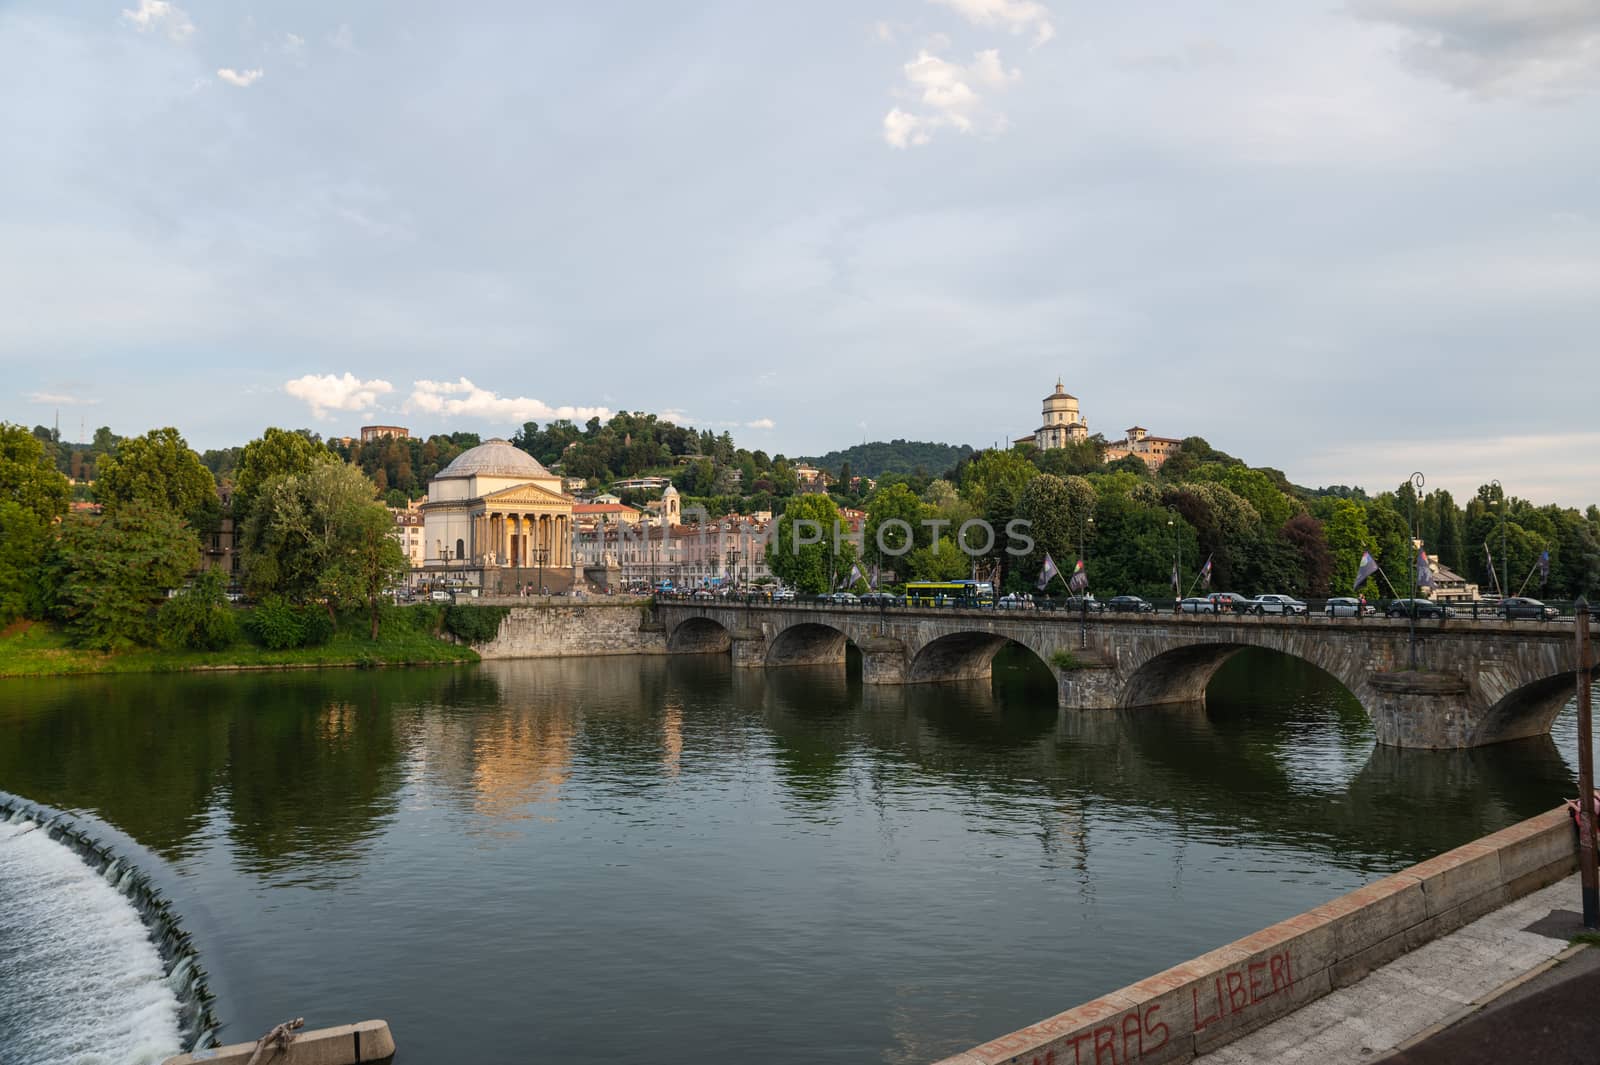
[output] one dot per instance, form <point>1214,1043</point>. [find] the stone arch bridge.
<point>1476,682</point>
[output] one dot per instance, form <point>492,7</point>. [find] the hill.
<point>894,456</point>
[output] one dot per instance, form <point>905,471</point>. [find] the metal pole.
<point>1417,481</point>
<point>1586,819</point>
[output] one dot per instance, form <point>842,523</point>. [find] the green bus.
<point>949,593</point>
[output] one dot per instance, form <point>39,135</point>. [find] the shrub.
<point>475,624</point>
<point>197,618</point>
<point>279,625</point>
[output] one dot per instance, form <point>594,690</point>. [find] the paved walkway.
<point>1431,988</point>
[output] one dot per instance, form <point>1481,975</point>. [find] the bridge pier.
<point>749,648</point>
<point>883,660</point>
<point>1425,710</point>
<point>1088,687</point>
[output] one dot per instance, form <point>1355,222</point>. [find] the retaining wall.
<point>348,1044</point>
<point>1214,999</point>
<point>562,628</point>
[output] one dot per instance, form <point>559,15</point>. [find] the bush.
<point>279,625</point>
<point>197,618</point>
<point>475,624</point>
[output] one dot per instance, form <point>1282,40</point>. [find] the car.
<point>1129,604</point>
<point>1419,608</point>
<point>1014,601</point>
<point>1278,604</point>
<point>1231,603</point>
<point>783,595</point>
<point>1079,604</point>
<point>1518,606</point>
<point>703,593</point>
<point>880,599</point>
<point>439,595</point>
<point>1347,607</point>
<point>1197,605</point>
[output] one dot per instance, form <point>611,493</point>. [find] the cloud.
<point>59,399</point>
<point>463,398</point>
<point>761,423</point>
<point>950,94</point>
<point>294,46</point>
<point>242,79</point>
<point>329,392</point>
<point>1017,16</point>
<point>160,15</point>
<point>1530,48</point>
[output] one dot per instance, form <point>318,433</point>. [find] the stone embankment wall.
<point>564,628</point>
<point>1214,999</point>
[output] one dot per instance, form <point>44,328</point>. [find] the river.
<point>625,859</point>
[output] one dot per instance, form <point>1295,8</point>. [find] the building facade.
<point>1063,422</point>
<point>370,433</point>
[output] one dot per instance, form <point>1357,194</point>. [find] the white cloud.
<point>1530,48</point>
<point>343,38</point>
<point>463,398</point>
<point>161,15</point>
<point>950,94</point>
<point>243,79</point>
<point>59,399</point>
<point>1016,16</point>
<point>329,392</point>
<point>761,423</point>
<point>294,46</point>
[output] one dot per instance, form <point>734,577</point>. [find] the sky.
<point>1349,239</point>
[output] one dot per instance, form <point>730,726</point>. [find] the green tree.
<point>893,505</point>
<point>275,453</point>
<point>1348,537</point>
<point>112,572</point>
<point>199,617</point>
<point>27,476</point>
<point>24,538</point>
<point>159,468</point>
<point>994,470</point>
<point>1057,512</point>
<point>804,565</point>
<point>943,561</point>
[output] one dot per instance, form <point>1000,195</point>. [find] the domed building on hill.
<point>1063,424</point>
<point>493,513</point>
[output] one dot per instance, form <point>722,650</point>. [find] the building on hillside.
<point>1448,585</point>
<point>668,510</point>
<point>369,433</point>
<point>493,516</point>
<point>409,530</point>
<point>588,516</point>
<point>1063,423</point>
<point>640,484</point>
<point>1153,450</point>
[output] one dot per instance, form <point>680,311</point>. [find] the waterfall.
<point>96,969</point>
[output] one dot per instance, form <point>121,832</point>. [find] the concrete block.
<point>1355,967</point>
<point>1361,919</point>
<point>1530,882</point>
<point>1305,989</point>
<point>1457,876</point>
<point>1065,1039</point>
<point>1534,844</point>
<point>348,1044</point>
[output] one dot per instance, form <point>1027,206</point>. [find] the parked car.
<point>842,598</point>
<point>1420,608</point>
<point>1078,603</point>
<point>1197,605</point>
<point>1347,607</point>
<point>702,593</point>
<point>1279,604</point>
<point>1129,604</point>
<point>1014,601</point>
<point>1231,602</point>
<point>1522,607</point>
<point>438,595</point>
<point>880,599</point>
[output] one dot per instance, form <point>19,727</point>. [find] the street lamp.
<point>733,569</point>
<point>540,554</point>
<point>1177,582</point>
<point>1505,565</point>
<point>1417,481</point>
<point>1083,596</point>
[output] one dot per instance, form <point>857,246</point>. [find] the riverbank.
<point>41,649</point>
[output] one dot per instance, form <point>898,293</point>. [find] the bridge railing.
<point>1308,610</point>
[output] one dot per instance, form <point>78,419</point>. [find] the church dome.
<point>495,458</point>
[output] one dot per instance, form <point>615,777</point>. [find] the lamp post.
<point>1083,593</point>
<point>540,554</point>
<point>1177,583</point>
<point>733,570</point>
<point>1505,565</point>
<point>1417,481</point>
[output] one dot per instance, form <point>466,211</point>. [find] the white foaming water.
<point>80,981</point>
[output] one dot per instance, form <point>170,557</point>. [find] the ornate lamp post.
<point>540,554</point>
<point>1505,565</point>
<point>1417,481</point>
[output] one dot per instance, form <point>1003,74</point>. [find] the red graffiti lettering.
<point>1199,1022</point>
<point>1077,1041</point>
<point>1150,1029</point>
<point>1237,999</point>
<point>1132,1037</point>
<point>1105,1042</point>
<point>1256,968</point>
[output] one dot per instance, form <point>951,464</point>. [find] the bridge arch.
<point>699,635</point>
<point>1183,673</point>
<point>1527,711</point>
<point>963,656</point>
<point>807,643</point>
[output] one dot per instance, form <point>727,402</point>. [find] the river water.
<point>626,859</point>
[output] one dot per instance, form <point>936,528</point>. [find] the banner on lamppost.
<point>1080,578</point>
<point>1364,572</point>
<point>1048,573</point>
<point>1205,573</point>
<point>1424,571</point>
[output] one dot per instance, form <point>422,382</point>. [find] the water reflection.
<point>587,848</point>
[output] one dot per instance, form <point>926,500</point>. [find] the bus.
<point>949,593</point>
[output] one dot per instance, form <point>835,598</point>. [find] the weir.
<point>114,976</point>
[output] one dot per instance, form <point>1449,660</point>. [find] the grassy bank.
<point>40,649</point>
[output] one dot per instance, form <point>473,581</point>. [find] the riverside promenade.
<point>1361,975</point>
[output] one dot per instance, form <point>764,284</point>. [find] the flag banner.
<point>1488,562</point>
<point>1177,589</point>
<point>1080,578</point>
<point>1364,572</point>
<point>1424,571</point>
<point>1205,573</point>
<point>854,575</point>
<point>1544,568</point>
<point>1048,573</point>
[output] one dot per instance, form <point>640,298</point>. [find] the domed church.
<point>495,518</point>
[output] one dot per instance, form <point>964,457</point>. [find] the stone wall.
<point>562,628</point>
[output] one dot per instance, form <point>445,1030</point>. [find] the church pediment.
<point>530,495</point>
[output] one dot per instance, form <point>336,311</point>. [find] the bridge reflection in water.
<point>726,855</point>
